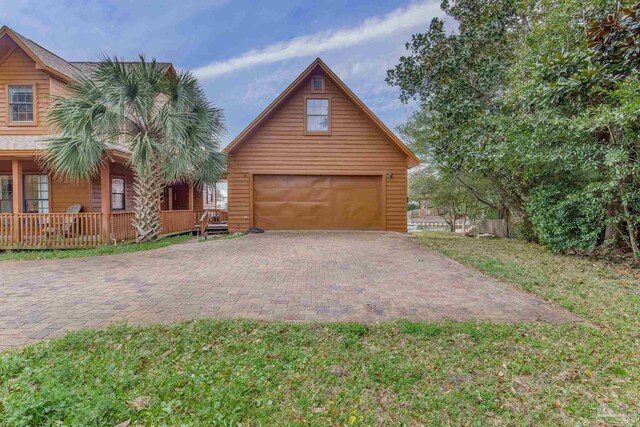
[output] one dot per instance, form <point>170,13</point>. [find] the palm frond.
<point>160,120</point>
<point>212,169</point>
<point>74,159</point>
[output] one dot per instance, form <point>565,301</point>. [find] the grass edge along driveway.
<point>229,372</point>
<point>29,255</point>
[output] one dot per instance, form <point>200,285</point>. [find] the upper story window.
<point>21,104</point>
<point>317,84</point>
<point>317,120</point>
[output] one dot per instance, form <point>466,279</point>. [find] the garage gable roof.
<point>412,159</point>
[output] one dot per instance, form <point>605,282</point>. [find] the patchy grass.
<point>23,255</point>
<point>251,373</point>
<point>606,294</point>
<point>214,237</point>
<point>20,255</point>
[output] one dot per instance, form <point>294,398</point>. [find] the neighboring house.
<point>29,76</point>
<point>318,158</point>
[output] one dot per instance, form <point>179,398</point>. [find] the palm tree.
<point>162,120</point>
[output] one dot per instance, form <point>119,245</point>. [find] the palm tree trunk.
<point>148,199</point>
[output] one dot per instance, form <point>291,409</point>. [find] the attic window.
<point>317,84</point>
<point>317,116</point>
<point>21,104</point>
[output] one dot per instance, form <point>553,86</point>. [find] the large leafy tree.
<point>458,79</point>
<point>164,121</point>
<point>575,85</point>
<point>541,98</point>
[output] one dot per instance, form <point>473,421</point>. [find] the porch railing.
<point>177,221</point>
<point>78,230</point>
<point>55,230</point>
<point>216,216</point>
<point>6,229</point>
<point>122,229</point>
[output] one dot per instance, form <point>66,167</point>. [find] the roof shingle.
<point>21,142</point>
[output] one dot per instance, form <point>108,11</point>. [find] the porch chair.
<point>66,227</point>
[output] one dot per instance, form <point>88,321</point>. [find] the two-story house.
<point>33,204</point>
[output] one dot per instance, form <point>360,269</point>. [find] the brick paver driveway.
<point>298,276</point>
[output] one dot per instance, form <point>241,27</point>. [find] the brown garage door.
<point>301,202</point>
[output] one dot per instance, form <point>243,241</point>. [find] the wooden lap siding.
<point>61,194</point>
<point>198,201</point>
<point>19,69</point>
<point>279,146</point>
<point>118,170</point>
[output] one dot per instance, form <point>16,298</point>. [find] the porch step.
<point>222,228</point>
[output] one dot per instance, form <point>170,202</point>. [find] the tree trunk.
<point>148,199</point>
<point>632,234</point>
<point>452,219</point>
<point>613,230</point>
<point>528,232</point>
<point>505,214</point>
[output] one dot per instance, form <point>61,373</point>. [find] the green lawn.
<point>21,255</point>
<point>252,373</point>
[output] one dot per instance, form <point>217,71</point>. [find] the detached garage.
<point>318,159</point>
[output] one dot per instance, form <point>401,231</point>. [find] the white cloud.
<point>373,28</point>
<point>266,88</point>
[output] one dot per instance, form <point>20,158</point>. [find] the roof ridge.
<point>42,47</point>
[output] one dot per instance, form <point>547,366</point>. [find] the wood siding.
<point>279,146</point>
<point>198,200</point>
<point>59,88</point>
<point>118,170</point>
<point>18,68</point>
<point>61,194</point>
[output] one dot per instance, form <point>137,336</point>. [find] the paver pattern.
<point>290,276</point>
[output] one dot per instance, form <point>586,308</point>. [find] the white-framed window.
<point>317,120</point>
<point>117,194</point>
<point>36,194</point>
<point>21,104</point>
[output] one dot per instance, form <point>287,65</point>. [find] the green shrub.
<point>566,221</point>
<point>413,206</point>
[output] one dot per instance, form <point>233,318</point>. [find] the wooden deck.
<point>84,230</point>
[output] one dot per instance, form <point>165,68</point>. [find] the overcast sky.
<point>244,52</point>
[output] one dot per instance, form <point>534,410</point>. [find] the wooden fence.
<point>494,227</point>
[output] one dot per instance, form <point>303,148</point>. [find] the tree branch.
<point>476,195</point>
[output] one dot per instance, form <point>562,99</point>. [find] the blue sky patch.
<point>244,52</point>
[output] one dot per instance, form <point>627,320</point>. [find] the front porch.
<point>40,212</point>
<point>84,230</point>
